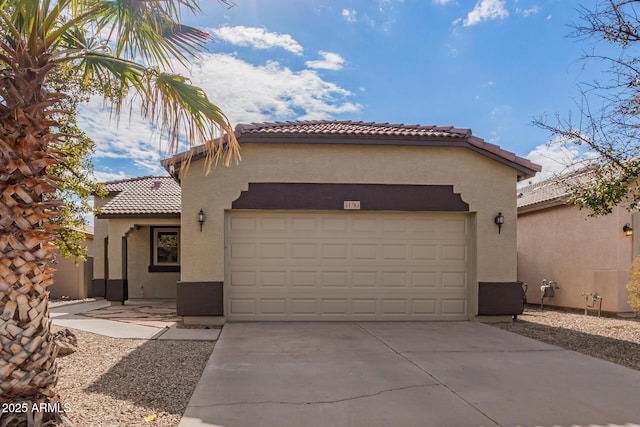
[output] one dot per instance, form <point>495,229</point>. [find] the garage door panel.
<point>304,224</point>
<point>243,224</point>
<point>303,278</point>
<point>343,265</point>
<point>453,279</point>
<point>453,307</point>
<point>274,224</point>
<point>454,252</point>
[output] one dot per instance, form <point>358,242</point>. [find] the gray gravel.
<point>610,338</point>
<point>119,382</point>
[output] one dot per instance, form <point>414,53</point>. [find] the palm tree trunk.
<point>28,371</point>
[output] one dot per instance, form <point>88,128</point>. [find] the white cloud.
<point>132,140</point>
<point>557,157</point>
<point>349,15</point>
<point>329,61</point>
<point>486,10</point>
<point>257,38</point>
<point>442,2</point>
<point>248,93</point>
<point>102,176</point>
<point>528,12</point>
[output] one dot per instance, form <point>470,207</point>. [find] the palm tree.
<point>128,48</point>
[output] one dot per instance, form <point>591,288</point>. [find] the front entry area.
<point>346,265</point>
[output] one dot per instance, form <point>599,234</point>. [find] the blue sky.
<point>489,65</point>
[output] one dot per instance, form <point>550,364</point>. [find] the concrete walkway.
<point>404,374</point>
<point>71,316</point>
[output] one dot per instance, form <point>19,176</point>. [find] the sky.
<point>492,66</point>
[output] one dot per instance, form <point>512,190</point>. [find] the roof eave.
<point>546,204</point>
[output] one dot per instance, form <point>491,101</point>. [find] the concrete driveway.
<point>404,374</point>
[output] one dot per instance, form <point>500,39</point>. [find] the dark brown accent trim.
<point>200,299</point>
<point>500,298</point>
<point>372,197</point>
<point>164,269</point>
<point>98,288</point>
<point>125,216</point>
<point>117,290</point>
<point>147,215</point>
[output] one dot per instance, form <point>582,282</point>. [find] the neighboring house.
<point>137,235</point>
<point>326,220</point>
<point>73,279</point>
<point>586,256</point>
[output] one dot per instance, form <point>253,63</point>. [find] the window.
<point>165,255</point>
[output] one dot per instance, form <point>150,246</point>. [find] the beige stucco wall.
<point>582,254</point>
<point>72,279</point>
<point>485,184</point>
<point>142,283</point>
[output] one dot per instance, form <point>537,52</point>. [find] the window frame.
<point>162,267</point>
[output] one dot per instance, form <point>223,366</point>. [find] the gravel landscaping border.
<point>113,382</point>
<point>614,339</point>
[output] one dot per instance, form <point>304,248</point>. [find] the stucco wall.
<point>582,254</point>
<point>142,283</point>
<point>72,279</point>
<point>486,185</point>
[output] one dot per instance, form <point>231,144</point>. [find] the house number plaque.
<point>352,204</point>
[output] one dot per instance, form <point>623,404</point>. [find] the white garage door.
<point>284,265</point>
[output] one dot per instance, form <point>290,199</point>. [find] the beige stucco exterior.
<point>582,254</point>
<point>487,185</point>
<point>141,282</point>
<point>72,279</point>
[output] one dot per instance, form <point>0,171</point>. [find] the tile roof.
<point>350,128</point>
<point>351,132</point>
<point>553,191</point>
<point>147,195</point>
<point>544,192</point>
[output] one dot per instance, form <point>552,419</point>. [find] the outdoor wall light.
<point>628,230</point>
<point>201,218</point>
<point>499,220</point>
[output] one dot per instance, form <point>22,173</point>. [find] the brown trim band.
<point>199,299</point>
<point>98,288</point>
<point>117,290</point>
<point>372,197</point>
<point>138,215</point>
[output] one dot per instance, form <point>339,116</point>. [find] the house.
<point>588,257</point>
<point>137,232</point>
<point>73,279</point>
<point>326,220</point>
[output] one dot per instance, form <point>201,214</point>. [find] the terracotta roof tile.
<point>147,195</point>
<point>552,191</point>
<point>325,127</point>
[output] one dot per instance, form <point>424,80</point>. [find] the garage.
<point>344,220</point>
<point>341,265</point>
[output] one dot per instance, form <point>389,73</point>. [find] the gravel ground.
<point>112,382</point>
<point>610,338</point>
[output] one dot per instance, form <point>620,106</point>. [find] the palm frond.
<point>149,29</point>
<point>184,109</point>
